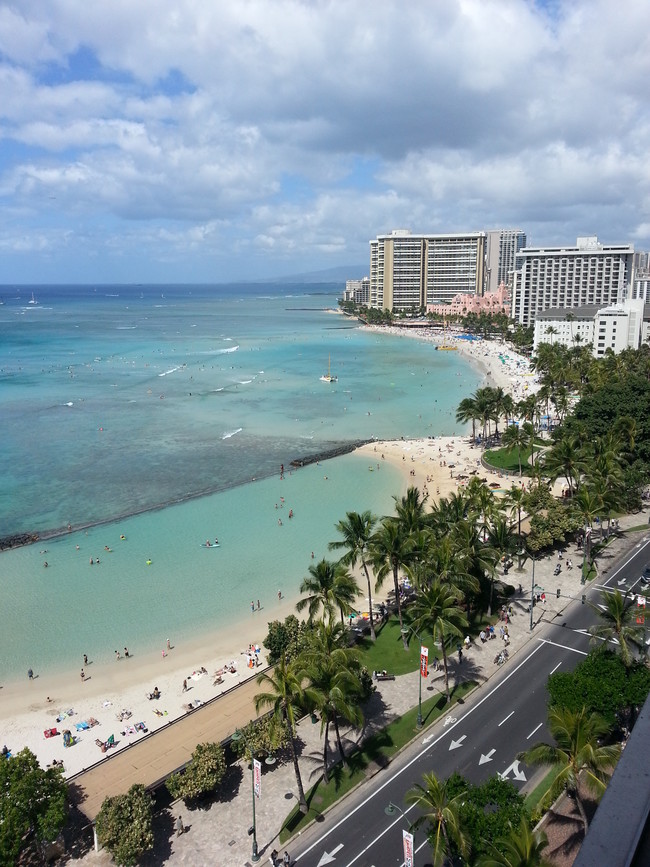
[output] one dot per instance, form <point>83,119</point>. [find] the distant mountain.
<point>330,275</point>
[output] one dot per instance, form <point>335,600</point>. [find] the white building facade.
<point>616,327</point>
<point>568,277</point>
<point>357,291</point>
<point>502,246</point>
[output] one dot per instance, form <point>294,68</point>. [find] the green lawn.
<point>375,752</point>
<point>387,653</point>
<point>508,459</point>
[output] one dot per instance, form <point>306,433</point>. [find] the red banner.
<point>424,661</point>
<point>257,778</point>
<point>408,848</point>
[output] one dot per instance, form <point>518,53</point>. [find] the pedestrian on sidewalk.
<point>180,828</point>
<point>286,860</point>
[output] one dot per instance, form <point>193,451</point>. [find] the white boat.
<point>327,377</point>
<point>33,301</point>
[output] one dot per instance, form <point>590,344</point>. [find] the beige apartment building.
<point>410,271</point>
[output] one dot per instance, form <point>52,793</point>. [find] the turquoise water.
<point>115,400</point>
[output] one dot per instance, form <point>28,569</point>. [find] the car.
<point>645,578</point>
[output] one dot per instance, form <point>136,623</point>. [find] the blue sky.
<point>180,140</point>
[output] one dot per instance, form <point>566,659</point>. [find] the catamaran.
<point>327,377</point>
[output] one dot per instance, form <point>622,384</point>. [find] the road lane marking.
<point>556,668</point>
<point>487,758</point>
<point>506,719</point>
<point>533,731</point>
<point>408,765</point>
<point>563,646</point>
<point>637,550</point>
<point>455,744</point>
<point>329,857</point>
<point>516,775</point>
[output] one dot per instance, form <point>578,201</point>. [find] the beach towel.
<point>50,733</point>
<point>130,730</point>
<point>81,726</point>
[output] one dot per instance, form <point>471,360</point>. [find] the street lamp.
<point>239,735</point>
<point>405,631</point>
<point>407,836</point>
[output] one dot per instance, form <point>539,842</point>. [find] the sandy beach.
<point>30,708</point>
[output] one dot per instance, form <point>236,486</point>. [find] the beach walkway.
<point>151,760</point>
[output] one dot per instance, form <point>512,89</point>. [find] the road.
<point>478,738</point>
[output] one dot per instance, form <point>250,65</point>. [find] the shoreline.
<point>432,464</point>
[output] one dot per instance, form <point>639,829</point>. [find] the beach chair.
<point>68,738</point>
<point>141,727</point>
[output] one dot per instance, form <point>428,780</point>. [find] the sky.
<point>216,141</point>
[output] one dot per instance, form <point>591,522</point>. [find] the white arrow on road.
<point>487,758</point>
<point>517,774</point>
<point>328,858</point>
<point>455,744</point>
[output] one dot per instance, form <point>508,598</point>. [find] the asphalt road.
<point>478,738</point>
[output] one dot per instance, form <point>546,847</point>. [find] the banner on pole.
<point>424,661</point>
<point>257,778</point>
<point>408,848</point>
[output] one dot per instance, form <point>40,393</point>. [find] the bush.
<point>202,776</point>
<point>124,825</point>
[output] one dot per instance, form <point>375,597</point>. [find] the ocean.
<point>163,414</point>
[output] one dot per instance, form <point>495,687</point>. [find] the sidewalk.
<point>218,835</point>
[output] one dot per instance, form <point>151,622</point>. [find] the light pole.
<point>390,811</point>
<point>238,735</point>
<point>532,593</point>
<point>406,631</point>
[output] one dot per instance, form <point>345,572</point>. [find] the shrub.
<point>202,776</point>
<point>124,825</point>
<point>261,738</point>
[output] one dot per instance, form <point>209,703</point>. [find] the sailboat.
<point>33,301</point>
<point>327,377</point>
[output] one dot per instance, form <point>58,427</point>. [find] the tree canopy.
<point>32,804</point>
<point>125,825</point>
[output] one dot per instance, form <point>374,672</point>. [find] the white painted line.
<point>629,560</point>
<point>415,758</point>
<point>563,646</point>
<point>506,719</point>
<point>556,668</point>
<point>533,731</point>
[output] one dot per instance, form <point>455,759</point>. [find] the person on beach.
<point>126,652</point>
<point>83,676</point>
<point>258,604</point>
<point>85,659</point>
<point>279,594</point>
<point>252,606</point>
<point>185,686</point>
<point>117,655</point>
<point>169,647</point>
<point>30,674</point>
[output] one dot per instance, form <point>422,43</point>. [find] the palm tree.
<point>467,412</point>
<point>410,510</point>
<point>435,611</point>
<point>577,752</point>
<point>334,685</point>
<point>357,531</point>
<point>564,459</point>
<point>618,624</point>
<point>442,813</point>
<point>286,697</point>
<point>521,848</point>
<point>329,585</point>
<point>515,501</point>
<point>391,550</point>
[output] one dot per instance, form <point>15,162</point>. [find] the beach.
<point>112,686</point>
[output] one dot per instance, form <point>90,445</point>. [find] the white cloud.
<point>243,127</point>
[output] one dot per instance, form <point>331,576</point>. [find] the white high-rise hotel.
<point>567,277</point>
<point>410,271</point>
